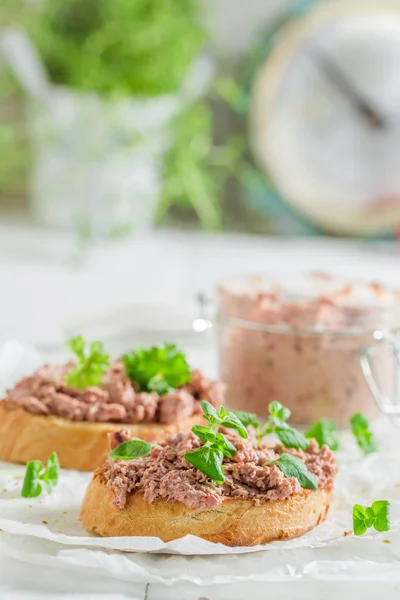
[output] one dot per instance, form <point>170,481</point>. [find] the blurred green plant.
<point>196,170</point>
<point>122,48</point>
<point>117,47</point>
<point>14,152</point>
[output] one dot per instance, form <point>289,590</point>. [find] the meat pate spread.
<point>166,474</point>
<point>299,341</point>
<point>116,399</point>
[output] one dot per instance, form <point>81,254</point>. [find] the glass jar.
<point>299,341</point>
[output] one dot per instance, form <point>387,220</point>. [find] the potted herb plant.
<point>106,82</point>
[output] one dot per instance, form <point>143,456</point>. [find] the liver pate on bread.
<point>163,495</point>
<point>41,414</point>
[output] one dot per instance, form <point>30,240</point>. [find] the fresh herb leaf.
<point>381,511</point>
<point>222,418</point>
<point>222,443</point>
<point>163,366</point>
<point>209,412</point>
<point>31,487</point>
<point>276,409</point>
<point>369,516</point>
<point>362,433</point>
<point>131,450</point>
<point>323,431</point>
<point>216,440</point>
<point>290,437</point>
<point>231,421</point>
<point>208,460</point>
<point>248,419</point>
<point>34,477</point>
<point>50,476</point>
<point>359,524</point>
<point>291,466</point>
<point>91,364</point>
<point>204,433</point>
<point>376,516</point>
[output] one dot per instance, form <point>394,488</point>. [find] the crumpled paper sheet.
<point>48,526</point>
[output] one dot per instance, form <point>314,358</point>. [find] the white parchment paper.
<point>48,527</point>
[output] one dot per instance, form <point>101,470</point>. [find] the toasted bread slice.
<point>235,522</point>
<point>79,445</point>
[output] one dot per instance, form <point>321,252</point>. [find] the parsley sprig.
<point>158,369</point>
<point>362,433</point>
<point>36,476</point>
<point>276,423</point>
<point>92,363</point>
<point>209,457</point>
<point>376,515</point>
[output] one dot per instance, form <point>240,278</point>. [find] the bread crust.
<point>234,523</point>
<point>79,444</point>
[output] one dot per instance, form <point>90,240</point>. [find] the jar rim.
<point>380,334</point>
<point>310,302</point>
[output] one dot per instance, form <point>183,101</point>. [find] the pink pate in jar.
<point>298,341</point>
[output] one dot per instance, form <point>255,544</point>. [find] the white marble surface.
<point>43,289</point>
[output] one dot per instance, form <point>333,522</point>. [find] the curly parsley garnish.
<point>91,365</point>
<point>159,369</point>
<point>376,515</point>
<point>36,476</point>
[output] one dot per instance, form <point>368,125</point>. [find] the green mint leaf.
<point>276,409</point>
<point>208,461</point>
<point>131,450</point>
<point>291,438</point>
<point>380,509</point>
<point>91,365</point>
<point>166,363</point>
<point>231,421</point>
<point>362,433</point>
<point>50,476</point>
<point>248,419</point>
<point>291,466</point>
<point>324,432</point>
<point>31,487</point>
